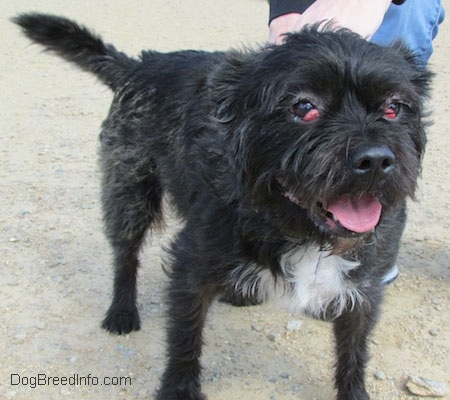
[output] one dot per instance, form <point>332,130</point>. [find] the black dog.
<point>290,165</point>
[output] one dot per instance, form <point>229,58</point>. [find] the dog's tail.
<point>78,45</point>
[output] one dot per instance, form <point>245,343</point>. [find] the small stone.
<point>215,377</point>
<point>20,337</point>
<point>273,337</point>
<point>53,264</point>
<point>379,376</point>
<point>40,325</point>
<point>294,325</point>
<point>433,332</point>
<point>426,387</point>
<point>256,328</point>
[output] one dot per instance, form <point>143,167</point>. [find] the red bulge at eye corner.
<point>311,115</point>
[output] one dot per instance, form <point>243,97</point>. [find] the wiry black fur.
<point>216,132</point>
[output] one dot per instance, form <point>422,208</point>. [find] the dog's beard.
<point>344,205</point>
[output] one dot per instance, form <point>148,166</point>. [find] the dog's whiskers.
<point>319,261</point>
<point>347,149</point>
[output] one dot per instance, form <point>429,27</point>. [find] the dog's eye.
<point>304,110</point>
<point>391,110</point>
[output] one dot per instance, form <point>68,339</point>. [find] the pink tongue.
<point>358,214</point>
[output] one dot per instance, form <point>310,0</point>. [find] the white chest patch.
<point>313,282</point>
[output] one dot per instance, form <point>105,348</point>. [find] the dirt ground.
<point>56,277</point>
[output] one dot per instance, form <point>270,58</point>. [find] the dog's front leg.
<point>189,297</point>
<point>187,311</point>
<point>352,330</point>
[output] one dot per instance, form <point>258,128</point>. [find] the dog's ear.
<point>243,82</point>
<point>224,85</point>
<point>419,75</point>
<point>237,88</point>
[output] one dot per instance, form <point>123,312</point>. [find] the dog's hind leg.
<point>130,208</point>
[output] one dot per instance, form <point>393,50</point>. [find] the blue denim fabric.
<point>415,22</point>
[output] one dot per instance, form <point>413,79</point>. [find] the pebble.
<point>53,264</point>
<point>215,377</point>
<point>294,325</point>
<point>273,337</point>
<point>433,332</point>
<point>40,325</point>
<point>426,387</point>
<point>23,212</point>
<point>379,376</point>
<point>20,338</point>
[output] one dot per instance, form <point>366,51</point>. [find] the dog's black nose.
<point>372,160</point>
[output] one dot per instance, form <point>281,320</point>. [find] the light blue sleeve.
<point>415,22</point>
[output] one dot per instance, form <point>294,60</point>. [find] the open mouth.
<point>355,214</point>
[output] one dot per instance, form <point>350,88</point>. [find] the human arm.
<point>361,16</point>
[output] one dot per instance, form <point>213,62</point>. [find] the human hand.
<point>363,17</point>
<point>281,25</point>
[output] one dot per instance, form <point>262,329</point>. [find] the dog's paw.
<point>355,394</point>
<point>174,394</point>
<point>120,321</point>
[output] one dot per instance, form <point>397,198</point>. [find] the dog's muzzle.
<point>355,213</point>
<point>362,213</point>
